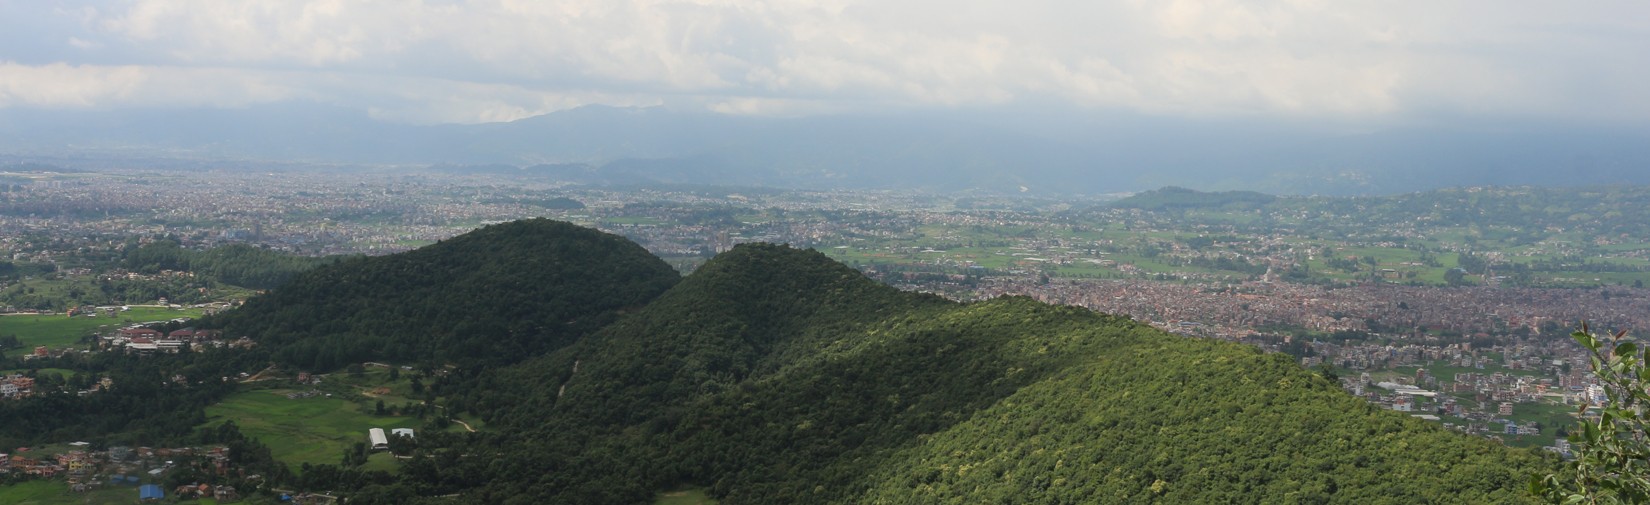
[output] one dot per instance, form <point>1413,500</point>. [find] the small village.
<point>140,468</point>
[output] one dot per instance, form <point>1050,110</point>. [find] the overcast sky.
<point>476,61</point>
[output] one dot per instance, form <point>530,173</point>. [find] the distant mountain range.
<point>1056,152</point>
<point>776,375</point>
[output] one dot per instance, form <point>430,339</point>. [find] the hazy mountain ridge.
<point>1055,153</point>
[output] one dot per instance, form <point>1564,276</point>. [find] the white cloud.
<point>481,60</point>
<point>89,86</point>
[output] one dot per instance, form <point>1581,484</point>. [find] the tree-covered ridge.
<point>1186,421</point>
<point>499,294</point>
<point>1173,197</point>
<point>235,264</point>
<point>774,375</point>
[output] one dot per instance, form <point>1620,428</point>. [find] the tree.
<point>1612,454</point>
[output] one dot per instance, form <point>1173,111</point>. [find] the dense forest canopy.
<point>495,295</point>
<point>776,375</point>
<point>236,264</point>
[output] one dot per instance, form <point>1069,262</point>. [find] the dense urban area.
<point>1454,305</point>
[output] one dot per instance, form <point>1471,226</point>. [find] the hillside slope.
<point>774,375</point>
<point>498,294</point>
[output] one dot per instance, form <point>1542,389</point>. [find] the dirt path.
<point>563,389</point>
<point>464,424</point>
<point>260,375</point>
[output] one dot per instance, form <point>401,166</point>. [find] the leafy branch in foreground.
<point>1612,455</point>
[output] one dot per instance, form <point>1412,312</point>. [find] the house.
<point>379,441</point>
<point>16,386</point>
<point>225,493</point>
<point>142,345</point>
<point>405,432</point>
<point>134,333</point>
<point>193,335</point>
<point>150,493</point>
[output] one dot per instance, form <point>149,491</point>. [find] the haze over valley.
<point>664,252</point>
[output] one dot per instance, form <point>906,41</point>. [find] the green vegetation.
<point>495,295</point>
<point>775,375</point>
<point>313,430</point>
<point>57,330</point>
<point>1505,236</point>
<point>769,375</point>
<point>133,274</point>
<point>49,492</point>
<point>1612,454</point>
<point>235,264</point>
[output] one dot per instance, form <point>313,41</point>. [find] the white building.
<point>379,441</point>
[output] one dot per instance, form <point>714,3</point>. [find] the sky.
<point>458,61</point>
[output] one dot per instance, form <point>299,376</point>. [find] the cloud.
<point>481,60</point>
<point>61,85</point>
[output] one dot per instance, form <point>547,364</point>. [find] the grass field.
<point>313,430</point>
<point>41,372</point>
<point>58,331</point>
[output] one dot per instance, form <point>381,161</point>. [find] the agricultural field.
<point>58,330</point>
<point>314,430</point>
<point>318,428</point>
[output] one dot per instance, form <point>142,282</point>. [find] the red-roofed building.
<point>134,333</point>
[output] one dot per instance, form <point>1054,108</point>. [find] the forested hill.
<point>1172,197</point>
<point>774,375</point>
<point>496,295</point>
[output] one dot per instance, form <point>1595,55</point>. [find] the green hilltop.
<point>775,375</point>
<point>495,295</point>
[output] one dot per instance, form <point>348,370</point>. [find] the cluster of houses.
<point>141,340</point>
<point>117,466</point>
<point>16,386</point>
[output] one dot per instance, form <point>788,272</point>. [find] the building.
<point>379,441</point>
<point>142,345</point>
<point>1506,409</point>
<point>405,432</point>
<point>131,333</point>
<point>1403,404</point>
<point>150,493</point>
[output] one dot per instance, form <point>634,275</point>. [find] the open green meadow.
<point>313,430</point>
<point>319,428</point>
<point>57,330</point>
